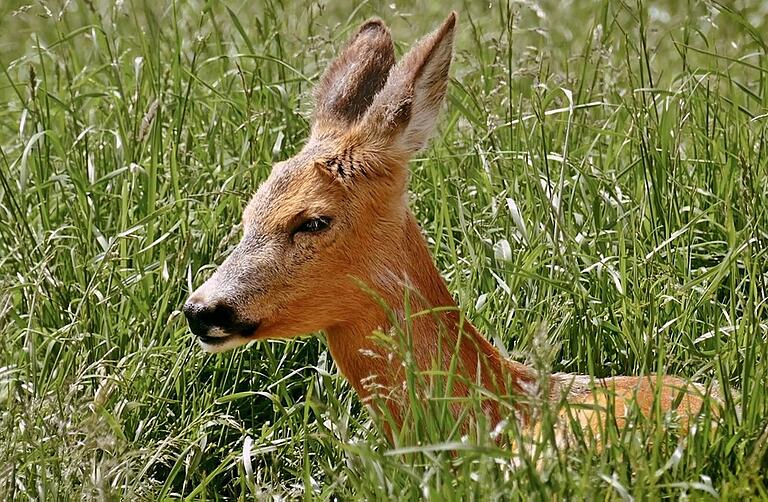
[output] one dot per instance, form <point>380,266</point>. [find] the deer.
<point>329,244</point>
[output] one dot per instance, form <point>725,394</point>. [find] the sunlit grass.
<point>596,198</point>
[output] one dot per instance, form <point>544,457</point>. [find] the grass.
<point>596,196</point>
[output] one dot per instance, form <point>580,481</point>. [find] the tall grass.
<point>596,197</point>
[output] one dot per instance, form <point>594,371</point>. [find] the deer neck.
<point>435,337</point>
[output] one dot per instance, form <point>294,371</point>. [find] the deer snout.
<point>202,316</point>
<point>216,323</point>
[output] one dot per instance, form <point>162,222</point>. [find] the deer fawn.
<point>336,216</point>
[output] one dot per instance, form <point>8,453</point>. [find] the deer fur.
<point>287,278</point>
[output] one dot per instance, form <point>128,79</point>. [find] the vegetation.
<point>596,198</point>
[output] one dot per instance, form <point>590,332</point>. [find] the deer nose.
<point>202,316</point>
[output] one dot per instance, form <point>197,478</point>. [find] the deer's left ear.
<point>403,114</point>
<point>351,81</point>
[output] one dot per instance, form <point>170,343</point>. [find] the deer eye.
<point>313,225</point>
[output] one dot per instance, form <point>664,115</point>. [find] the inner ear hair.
<point>349,84</point>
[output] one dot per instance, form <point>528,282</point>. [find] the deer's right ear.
<point>351,81</point>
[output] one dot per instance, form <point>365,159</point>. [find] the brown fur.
<point>370,118</point>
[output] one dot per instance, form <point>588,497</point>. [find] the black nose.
<point>203,316</point>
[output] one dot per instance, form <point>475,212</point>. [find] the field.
<point>596,197</point>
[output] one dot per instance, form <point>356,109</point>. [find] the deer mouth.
<point>216,336</point>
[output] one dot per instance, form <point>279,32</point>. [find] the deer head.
<point>333,215</point>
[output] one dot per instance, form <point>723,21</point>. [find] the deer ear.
<point>404,112</point>
<point>351,81</point>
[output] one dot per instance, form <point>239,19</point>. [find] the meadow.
<point>595,197</point>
